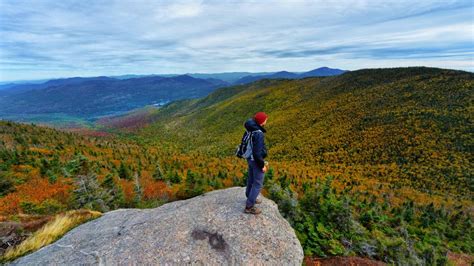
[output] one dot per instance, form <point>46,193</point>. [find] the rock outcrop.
<point>208,229</point>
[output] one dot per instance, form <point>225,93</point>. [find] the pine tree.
<point>124,172</point>
<point>44,166</point>
<point>176,178</point>
<point>6,184</point>
<point>117,197</point>
<point>269,174</point>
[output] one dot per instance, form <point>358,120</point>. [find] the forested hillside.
<point>45,170</point>
<point>403,126</point>
<point>41,168</point>
<point>376,163</point>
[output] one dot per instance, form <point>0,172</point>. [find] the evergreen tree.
<point>192,185</point>
<point>221,175</point>
<point>89,194</point>
<point>44,166</point>
<point>6,184</point>
<point>269,174</point>
<point>175,178</point>
<point>124,172</point>
<point>117,197</point>
<point>80,165</point>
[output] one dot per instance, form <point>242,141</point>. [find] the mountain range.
<point>79,98</point>
<point>318,72</point>
<point>98,96</point>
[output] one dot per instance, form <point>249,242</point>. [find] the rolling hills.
<point>77,102</point>
<point>402,125</point>
<point>87,98</point>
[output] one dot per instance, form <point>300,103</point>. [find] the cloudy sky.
<point>61,38</point>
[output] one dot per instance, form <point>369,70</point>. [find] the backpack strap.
<point>251,135</point>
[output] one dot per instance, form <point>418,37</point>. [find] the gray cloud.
<point>42,39</point>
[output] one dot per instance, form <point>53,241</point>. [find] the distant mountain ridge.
<point>98,96</point>
<point>318,72</point>
<point>84,99</point>
<point>230,77</point>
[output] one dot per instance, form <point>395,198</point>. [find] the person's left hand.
<point>264,169</point>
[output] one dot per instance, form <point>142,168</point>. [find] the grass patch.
<point>50,232</point>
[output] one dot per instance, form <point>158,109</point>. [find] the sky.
<point>50,38</point>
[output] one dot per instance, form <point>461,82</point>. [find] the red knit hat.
<point>260,117</point>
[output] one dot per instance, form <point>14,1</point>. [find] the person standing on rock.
<point>257,166</point>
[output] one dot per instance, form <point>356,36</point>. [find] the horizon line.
<point>4,82</point>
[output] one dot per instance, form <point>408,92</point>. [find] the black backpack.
<point>244,150</point>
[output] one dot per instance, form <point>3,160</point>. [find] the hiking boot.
<point>252,210</point>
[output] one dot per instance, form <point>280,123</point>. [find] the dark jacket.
<point>259,149</point>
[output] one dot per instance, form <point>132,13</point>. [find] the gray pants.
<point>254,183</point>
